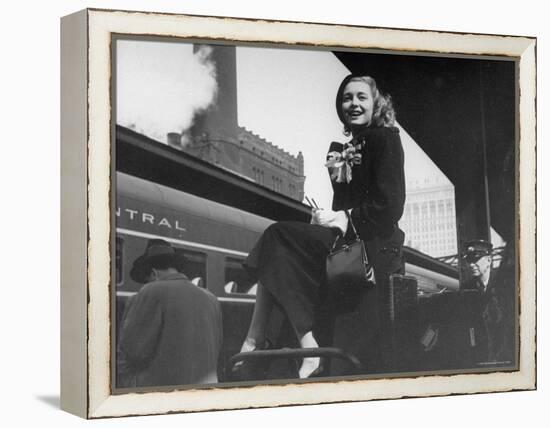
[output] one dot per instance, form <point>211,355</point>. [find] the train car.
<point>215,239</point>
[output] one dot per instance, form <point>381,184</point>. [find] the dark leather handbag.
<point>349,265</point>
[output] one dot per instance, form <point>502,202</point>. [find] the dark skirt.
<point>289,261</point>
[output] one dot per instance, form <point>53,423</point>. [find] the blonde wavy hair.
<point>383,112</point>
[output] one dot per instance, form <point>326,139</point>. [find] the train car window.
<point>195,266</point>
<point>236,278</point>
<point>119,260</point>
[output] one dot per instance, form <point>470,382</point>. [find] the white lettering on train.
<point>150,218</point>
<point>131,212</point>
<point>165,222</point>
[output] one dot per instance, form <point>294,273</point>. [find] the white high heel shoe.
<point>311,367</point>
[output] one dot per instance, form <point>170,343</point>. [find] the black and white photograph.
<point>270,214</point>
<point>303,214</point>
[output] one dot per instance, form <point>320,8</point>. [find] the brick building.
<point>217,138</point>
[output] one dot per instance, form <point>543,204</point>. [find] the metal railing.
<point>291,353</point>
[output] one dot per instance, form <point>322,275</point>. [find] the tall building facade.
<point>429,219</point>
<point>272,166</point>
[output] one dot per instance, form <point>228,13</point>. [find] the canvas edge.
<point>73,211</point>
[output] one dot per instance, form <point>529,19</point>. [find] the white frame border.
<point>101,24</point>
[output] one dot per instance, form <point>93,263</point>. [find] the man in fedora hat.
<point>171,331</point>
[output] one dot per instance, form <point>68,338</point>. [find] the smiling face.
<point>357,104</point>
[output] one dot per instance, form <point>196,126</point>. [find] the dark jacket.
<point>488,314</point>
<point>376,195</point>
<point>171,334</point>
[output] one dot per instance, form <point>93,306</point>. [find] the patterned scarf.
<point>340,164</point>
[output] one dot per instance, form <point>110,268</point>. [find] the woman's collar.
<point>360,134</point>
<point>360,137</point>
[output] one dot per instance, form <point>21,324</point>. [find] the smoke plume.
<point>161,86</point>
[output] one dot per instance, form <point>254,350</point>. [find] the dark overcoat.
<point>171,334</point>
<point>488,316</point>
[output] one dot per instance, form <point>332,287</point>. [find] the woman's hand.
<point>322,217</point>
<point>329,218</point>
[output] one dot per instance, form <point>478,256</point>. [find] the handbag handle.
<point>350,221</point>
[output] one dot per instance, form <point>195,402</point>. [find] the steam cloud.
<point>160,86</point>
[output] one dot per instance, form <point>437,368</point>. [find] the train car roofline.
<point>181,242</point>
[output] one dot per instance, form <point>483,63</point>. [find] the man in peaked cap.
<point>478,255</point>
<point>482,298</point>
<point>171,331</point>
